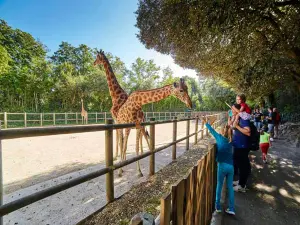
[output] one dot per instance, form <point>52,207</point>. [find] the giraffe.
<point>131,110</point>
<point>84,114</point>
<point>118,95</point>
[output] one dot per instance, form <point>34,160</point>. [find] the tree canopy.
<point>33,82</point>
<point>254,46</point>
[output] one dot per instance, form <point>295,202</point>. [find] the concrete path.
<point>273,197</point>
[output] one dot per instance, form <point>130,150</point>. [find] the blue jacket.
<point>224,147</point>
<point>239,139</point>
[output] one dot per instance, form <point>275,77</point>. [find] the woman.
<point>265,144</point>
<point>225,166</point>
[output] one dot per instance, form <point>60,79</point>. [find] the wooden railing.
<point>110,166</point>
<point>191,199</point>
<point>19,120</point>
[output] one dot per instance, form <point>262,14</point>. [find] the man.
<point>276,122</point>
<point>271,122</point>
<point>257,119</point>
<point>241,149</point>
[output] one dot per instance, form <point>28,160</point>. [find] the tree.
<point>252,45</point>
<point>4,60</point>
<point>143,75</point>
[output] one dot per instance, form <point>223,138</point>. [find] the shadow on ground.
<point>274,190</point>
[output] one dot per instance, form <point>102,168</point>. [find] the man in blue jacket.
<point>241,149</point>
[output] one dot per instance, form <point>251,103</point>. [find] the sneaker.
<point>239,188</point>
<point>228,211</point>
<point>218,210</point>
<point>235,183</point>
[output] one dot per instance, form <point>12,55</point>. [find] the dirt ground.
<point>33,164</point>
<point>274,189</point>
<point>145,197</point>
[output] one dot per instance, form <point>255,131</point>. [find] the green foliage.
<point>29,82</point>
<point>214,95</point>
<point>254,46</point>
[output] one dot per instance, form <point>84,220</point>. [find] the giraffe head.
<point>180,91</point>
<point>100,58</point>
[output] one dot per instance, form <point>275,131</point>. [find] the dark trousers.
<point>242,165</point>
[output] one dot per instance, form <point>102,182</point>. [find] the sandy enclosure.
<point>33,164</point>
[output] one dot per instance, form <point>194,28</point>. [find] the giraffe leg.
<point>141,143</point>
<point>138,137</point>
<point>124,148</point>
<point>145,136</point>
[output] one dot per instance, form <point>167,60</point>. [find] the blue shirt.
<point>224,147</point>
<point>239,139</point>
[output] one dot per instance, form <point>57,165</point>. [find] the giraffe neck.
<point>113,84</point>
<point>82,108</point>
<point>153,95</point>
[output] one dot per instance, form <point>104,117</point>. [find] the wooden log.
<point>187,143</point>
<point>109,162</point>
<point>174,138</point>
<point>152,148</point>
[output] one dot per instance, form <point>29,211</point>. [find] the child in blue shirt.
<point>225,166</point>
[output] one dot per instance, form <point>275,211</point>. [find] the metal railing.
<point>23,120</point>
<point>110,166</point>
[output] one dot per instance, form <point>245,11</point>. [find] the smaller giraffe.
<point>131,110</point>
<point>84,114</point>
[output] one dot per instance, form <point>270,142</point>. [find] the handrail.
<point>42,131</point>
<point>45,131</point>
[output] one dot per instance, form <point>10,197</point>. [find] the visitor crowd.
<point>234,143</point>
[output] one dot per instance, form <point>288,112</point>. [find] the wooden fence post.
<point>5,120</point>
<point>1,175</point>
<point>202,127</point>
<point>66,118</point>
<point>41,119</point>
<point>53,119</point>
<point>105,116</point>
<point>109,162</point>
<point>178,192</point>
<point>196,129</point>
<point>187,143</point>
<point>25,119</point>
<point>174,138</point>
<point>165,212</point>
<point>96,117</point>
<point>76,118</point>
<point>206,130</point>
<point>152,147</point>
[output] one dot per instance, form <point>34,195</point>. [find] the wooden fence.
<point>110,166</point>
<point>191,199</point>
<point>18,120</point>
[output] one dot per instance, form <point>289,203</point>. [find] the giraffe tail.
<point>147,133</point>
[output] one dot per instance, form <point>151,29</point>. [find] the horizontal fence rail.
<point>110,167</point>
<point>23,120</point>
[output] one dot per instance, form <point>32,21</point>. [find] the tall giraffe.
<point>118,95</point>
<point>84,114</point>
<point>131,110</point>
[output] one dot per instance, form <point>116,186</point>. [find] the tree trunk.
<point>271,99</point>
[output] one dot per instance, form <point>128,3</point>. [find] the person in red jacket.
<point>276,122</point>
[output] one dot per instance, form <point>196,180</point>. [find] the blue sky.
<point>105,24</point>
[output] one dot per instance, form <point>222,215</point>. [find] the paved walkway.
<point>274,190</point>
